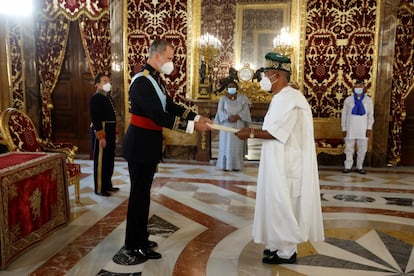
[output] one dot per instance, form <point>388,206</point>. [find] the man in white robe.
<point>288,207</point>
<point>357,120</point>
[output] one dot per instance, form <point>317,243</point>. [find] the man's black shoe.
<point>267,252</point>
<point>152,244</point>
<point>128,257</point>
<point>346,171</point>
<point>103,194</point>
<point>273,258</point>
<point>113,189</point>
<point>361,171</point>
<point>146,253</point>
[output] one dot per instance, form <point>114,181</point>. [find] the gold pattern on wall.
<point>146,21</point>
<point>340,49</point>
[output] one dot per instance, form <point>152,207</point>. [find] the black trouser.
<point>103,160</point>
<point>141,175</point>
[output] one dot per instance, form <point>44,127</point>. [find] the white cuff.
<point>197,118</point>
<point>190,127</point>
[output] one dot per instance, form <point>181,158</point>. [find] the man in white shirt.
<point>288,207</point>
<point>357,120</point>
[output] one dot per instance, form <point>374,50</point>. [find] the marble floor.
<point>201,218</point>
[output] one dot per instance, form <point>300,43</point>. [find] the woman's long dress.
<point>231,148</point>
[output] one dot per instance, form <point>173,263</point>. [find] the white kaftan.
<point>356,127</point>
<point>231,148</point>
<point>288,207</point>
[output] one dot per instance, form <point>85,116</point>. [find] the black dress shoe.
<point>273,258</point>
<point>361,171</point>
<point>346,171</point>
<point>113,189</point>
<point>128,257</point>
<point>266,252</point>
<point>152,244</point>
<point>103,194</point>
<point>146,253</point>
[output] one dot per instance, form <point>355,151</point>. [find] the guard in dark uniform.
<point>103,116</point>
<point>151,109</point>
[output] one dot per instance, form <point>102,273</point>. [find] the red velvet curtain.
<point>96,39</point>
<point>403,77</point>
<point>16,60</point>
<point>51,47</point>
<point>93,16</point>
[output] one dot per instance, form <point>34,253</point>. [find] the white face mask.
<point>167,68</point>
<point>232,90</point>
<point>266,84</point>
<point>106,87</point>
<point>358,90</point>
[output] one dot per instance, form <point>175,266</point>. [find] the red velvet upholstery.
<point>22,132</point>
<point>18,133</point>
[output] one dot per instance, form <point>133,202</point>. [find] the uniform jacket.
<point>145,145</point>
<point>102,110</point>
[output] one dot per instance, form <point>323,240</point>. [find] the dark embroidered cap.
<point>277,61</point>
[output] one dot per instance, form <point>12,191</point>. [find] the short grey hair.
<point>158,46</point>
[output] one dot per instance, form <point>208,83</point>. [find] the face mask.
<point>106,87</point>
<point>358,90</point>
<point>266,84</point>
<point>232,90</point>
<point>167,67</point>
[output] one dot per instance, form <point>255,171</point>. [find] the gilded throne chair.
<point>18,133</point>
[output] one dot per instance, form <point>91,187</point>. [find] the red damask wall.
<point>148,21</point>
<point>339,50</point>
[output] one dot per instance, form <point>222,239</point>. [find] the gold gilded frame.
<point>297,30</point>
<point>240,10</point>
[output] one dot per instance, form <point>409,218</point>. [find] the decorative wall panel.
<point>403,77</point>
<point>340,49</point>
<point>149,20</point>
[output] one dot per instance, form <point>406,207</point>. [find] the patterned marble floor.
<point>201,218</point>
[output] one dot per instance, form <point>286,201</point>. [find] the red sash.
<point>144,122</point>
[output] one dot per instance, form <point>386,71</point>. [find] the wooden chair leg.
<point>77,189</point>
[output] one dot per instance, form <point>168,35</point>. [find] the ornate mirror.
<point>246,30</point>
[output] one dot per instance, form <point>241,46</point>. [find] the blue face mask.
<point>358,90</point>
<point>232,90</point>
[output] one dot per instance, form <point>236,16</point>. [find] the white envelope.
<point>220,127</point>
